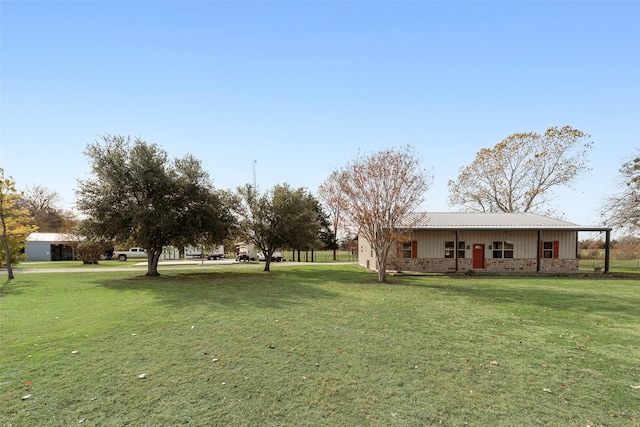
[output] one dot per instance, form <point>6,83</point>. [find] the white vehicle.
<point>209,252</point>
<point>275,257</point>
<point>129,253</point>
<point>218,253</point>
<point>243,253</point>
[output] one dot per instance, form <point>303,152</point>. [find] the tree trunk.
<point>5,242</point>
<point>152,262</point>
<point>382,269</point>
<point>335,254</point>
<point>267,259</point>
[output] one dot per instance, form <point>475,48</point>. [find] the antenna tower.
<point>254,174</point>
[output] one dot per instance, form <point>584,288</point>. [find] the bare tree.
<point>43,204</point>
<point>331,196</point>
<point>519,173</point>
<point>38,198</point>
<point>381,191</point>
<point>623,208</point>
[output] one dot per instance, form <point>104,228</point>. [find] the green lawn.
<point>616,265</point>
<point>317,345</point>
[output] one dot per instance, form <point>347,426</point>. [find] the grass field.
<point>317,345</point>
<point>616,265</point>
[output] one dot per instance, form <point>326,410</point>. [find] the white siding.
<point>431,244</point>
<point>365,256</point>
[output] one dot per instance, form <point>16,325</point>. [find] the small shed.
<point>49,247</point>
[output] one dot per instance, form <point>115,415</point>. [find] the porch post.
<point>607,251</point>
<point>538,267</point>
<point>456,250</point>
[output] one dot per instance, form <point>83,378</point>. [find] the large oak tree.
<point>519,173</point>
<point>138,195</point>
<point>380,192</point>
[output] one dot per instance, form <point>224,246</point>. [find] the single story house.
<point>499,242</point>
<point>49,247</point>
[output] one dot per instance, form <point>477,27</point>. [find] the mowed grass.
<point>317,345</point>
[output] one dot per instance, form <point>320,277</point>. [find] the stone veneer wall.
<point>444,265</point>
<point>559,265</point>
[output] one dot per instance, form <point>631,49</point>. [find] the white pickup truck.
<point>129,253</point>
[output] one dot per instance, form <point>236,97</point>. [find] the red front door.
<point>478,255</point>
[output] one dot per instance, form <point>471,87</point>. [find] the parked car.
<point>215,256</point>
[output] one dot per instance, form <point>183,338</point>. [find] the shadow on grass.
<point>239,288</point>
<point>9,287</point>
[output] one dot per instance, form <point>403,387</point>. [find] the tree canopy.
<point>138,195</point>
<point>519,173</point>
<point>279,218</point>
<point>622,209</point>
<point>380,191</point>
<point>16,225</point>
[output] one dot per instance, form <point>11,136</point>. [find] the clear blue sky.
<point>303,86</point>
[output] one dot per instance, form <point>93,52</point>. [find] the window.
<point>461,250</point>
<point>503,249</point>
<point>550,249</point>
<point>547,249</point>
<point>449,249</point>
<point>407,249</point>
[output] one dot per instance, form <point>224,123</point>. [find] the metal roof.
<point>491,221</point>
<point>49,237</point>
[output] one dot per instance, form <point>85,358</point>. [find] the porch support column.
<point>456,250</point>
<point>607,251</point>
<point>538,266</point>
